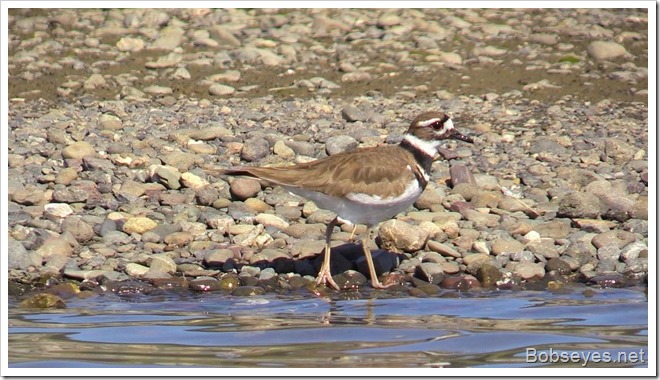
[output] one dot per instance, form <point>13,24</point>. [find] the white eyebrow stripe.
<point>428,122</point>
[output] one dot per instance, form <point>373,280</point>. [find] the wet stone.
<point>461,282</point>
<point>558,266</point>
<point>488,275</point>
<point>43,301</point>
<point>430,272</point>
<point>350,279</point>
<point>248,291</point>
<point>205,284</point>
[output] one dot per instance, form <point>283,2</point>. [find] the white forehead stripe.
<point>448,125</point>
<point>428,122</point>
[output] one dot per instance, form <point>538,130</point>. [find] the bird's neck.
<point>423,151</point>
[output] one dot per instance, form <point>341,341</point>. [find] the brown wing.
<point>383,171</point>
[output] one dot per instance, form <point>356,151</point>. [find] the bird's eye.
<point>437,125</point>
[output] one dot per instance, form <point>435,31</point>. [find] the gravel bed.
<point>117,119</point>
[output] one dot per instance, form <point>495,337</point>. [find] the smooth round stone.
<point>530,271</point>
<point>139,225</point>
<point>229,282</point>
<point>162,262</point>
<point>217,257</point>
<point>66,176</point>
<point>402,236</point>
<point>78,150</point>
<point>221,89</point>
<point>500,246</point>
<point>205,284</point>
<point>136,270</point>
<point>443,249</point>
<point>257,205</point>
<point>605,50</point>
<point>244,188</point>
<point>271,220</point>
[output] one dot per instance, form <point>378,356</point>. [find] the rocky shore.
<point>117,119</point>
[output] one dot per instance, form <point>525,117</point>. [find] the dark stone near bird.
<point>350,279</point>
<point>384,261</point>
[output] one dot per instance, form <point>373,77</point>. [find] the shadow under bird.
<point>365,186</point>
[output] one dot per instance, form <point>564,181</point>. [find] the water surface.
<point>473,329</point>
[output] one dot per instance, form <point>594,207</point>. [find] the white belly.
<point>362,208</point>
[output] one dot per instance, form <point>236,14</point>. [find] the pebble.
<point>78,150</point>
<point>254,149</point>
<point>605,50</point>
<point>340,144</point>
<point>221,89</point>
<point>401,236</point>
<point>244,188</point>
<point>138,225</point>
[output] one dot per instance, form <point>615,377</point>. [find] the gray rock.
<point>70,195</point>
<point>19,258</point>
<point>254,149</point>
<point>80,230</point>
<point>339,144</point>
<point>620,238</point>
<point>430,272</point>
<point>579,205</point>
<point>166,175</point>
<point>218,89</point>
<point>605,50</point>
<point>610,251</point>
<point>352,114</point>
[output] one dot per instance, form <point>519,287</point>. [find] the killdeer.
<point>365,186</point>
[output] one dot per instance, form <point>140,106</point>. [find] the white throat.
<point>428,147</point>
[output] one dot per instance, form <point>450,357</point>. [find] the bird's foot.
<point>378,285</point>
<point>325,278</point>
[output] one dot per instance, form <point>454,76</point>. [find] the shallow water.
<point>599,327</point>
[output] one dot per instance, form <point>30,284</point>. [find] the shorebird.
<point>365,186</point>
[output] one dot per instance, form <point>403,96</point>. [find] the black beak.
<point>456,135</point>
